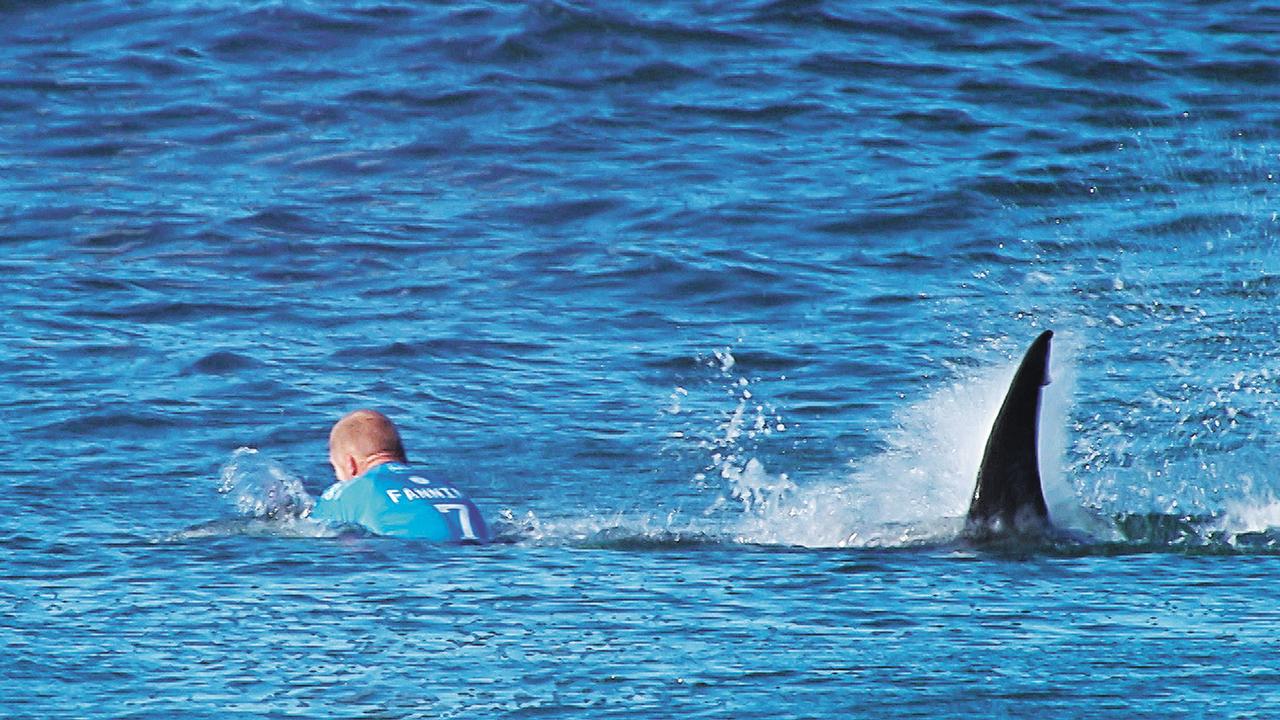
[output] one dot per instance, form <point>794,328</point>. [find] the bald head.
<point>362,440</point>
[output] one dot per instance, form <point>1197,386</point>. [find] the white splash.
<point>1257,510</point>
<point>918,488</point>
<point>756,489</point>
<point>262,488</point>
<point>1258,515</point>
<point>730,449</point>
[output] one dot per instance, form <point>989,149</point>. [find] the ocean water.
<point>708,305</point>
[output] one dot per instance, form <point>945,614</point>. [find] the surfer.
<point>379,491</point>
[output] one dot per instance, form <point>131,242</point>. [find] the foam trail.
<point>616,530</point>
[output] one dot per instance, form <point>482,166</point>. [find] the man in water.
<point>377,489</point>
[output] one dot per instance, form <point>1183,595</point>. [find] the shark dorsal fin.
<point>1008,497</point>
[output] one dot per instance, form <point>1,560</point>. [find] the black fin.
<point>1008,497</point>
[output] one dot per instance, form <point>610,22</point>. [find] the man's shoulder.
<point>405,473</point>
<point>346,489</point>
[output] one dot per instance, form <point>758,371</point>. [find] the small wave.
<point>282,32</point>
<point>764,114</point>
<point>117,424</point>
<point>563,211</point>
<point>624,538</point>
<point>87,151</point>
<point>150,66</point>
<point>943,120</point>
<point>259,527</point>
<point>221,362</point>
<point>613,531</point>
<point>858,67</point>
<point>986,19</point>
<point>657,73</point>
<point>1263,73</point>
<point>1087,66</point>
<point>166,312</point>
<point>871,24</point>
<point>553,24</point>
<point>452,347</point>
<point>1196,224</point>
<point>417,100</point>
<point>281,220</point>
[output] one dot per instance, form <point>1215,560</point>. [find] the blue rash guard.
<point>392,499</point>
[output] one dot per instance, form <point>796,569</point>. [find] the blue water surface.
<point>708,305</point>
